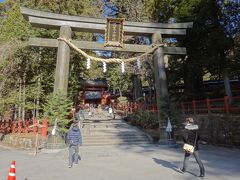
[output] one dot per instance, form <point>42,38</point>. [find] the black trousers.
<point>198,160</point>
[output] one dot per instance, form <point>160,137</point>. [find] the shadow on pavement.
<point>170,165</point>
<point>166,164</point>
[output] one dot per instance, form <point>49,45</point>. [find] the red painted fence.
<point>27,126</point>
<point>218,105</point>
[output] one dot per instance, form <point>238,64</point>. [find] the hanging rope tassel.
<point>104,67</point>
<point>88,63</point>
<point>122,67</point>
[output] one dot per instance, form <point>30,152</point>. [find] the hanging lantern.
<point>122,67</point>
<point>88,63</point>
<point>104,67</point>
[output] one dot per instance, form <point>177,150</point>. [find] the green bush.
<point>122,99</point>
<point>58,107</point>
<point>149,120</point>
<point>145,119</point>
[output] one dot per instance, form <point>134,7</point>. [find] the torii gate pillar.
<point>160,82</point>
<point>63,58</point>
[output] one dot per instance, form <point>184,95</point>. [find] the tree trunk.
<point>24,96</point>
<point>137,87</point>
<point>227,86</point>
<point>20,98</point>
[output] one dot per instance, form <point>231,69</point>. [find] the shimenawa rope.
<point>110,60</point>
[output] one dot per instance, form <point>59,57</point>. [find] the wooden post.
<point>183,108</point>
<point>20,98</point>
<point>27,124</point>
<point>20,126</point>
<point>209,105</point>
<point>194,106</point>
<point>44,127</point>
<point>160,83</point>
<point>63,58</point>
<point>36,140</point>
<point>13,126</point>
<point>36,125</point>
<point>35,129</point>
<point>226,104</point>
<point>131,107</point>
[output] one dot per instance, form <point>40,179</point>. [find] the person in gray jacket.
<point>74,139</point>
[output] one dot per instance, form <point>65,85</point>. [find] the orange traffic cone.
<point>11,175</point>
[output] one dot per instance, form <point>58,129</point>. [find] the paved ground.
<point>150,162</point>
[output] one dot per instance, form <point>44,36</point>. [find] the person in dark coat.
<point>191,137</point>
<point>74,139</point>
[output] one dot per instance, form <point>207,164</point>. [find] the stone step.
<point>87,121</point>
<point>117,143</point>
<point>102,131</point>
<point>130,133</point>
<point>110,125</point>
<point>112,130</point>
<point>104,126</point>
<point>102,123</point>
<point>109,129</point>
<point>98,118</point>
<point>114,138</point>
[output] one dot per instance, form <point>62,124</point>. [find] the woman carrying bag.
<point>191,145</point>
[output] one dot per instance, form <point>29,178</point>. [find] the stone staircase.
<point>102,130</point>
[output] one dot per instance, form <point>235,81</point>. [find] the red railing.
<point>218,105</point>
<point>27,126</point>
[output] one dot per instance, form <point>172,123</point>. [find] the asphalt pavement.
<point>143,162</point>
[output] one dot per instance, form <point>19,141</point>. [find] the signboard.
<point>114,32</point>
<point>92,95</point>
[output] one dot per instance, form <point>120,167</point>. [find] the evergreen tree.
<point>57,109</point>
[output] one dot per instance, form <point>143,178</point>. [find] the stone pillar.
<point>63,58</point>
<point>160,83</point>
<point>137,86</point>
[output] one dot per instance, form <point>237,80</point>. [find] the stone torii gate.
<point>66,24</point>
